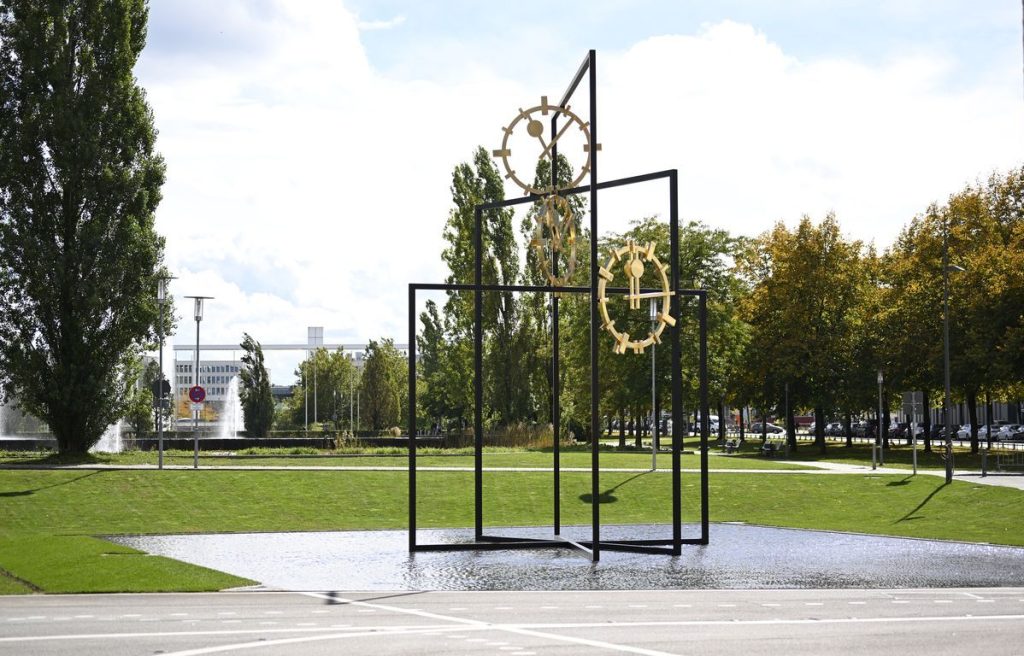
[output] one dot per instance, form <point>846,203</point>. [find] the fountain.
<point>3,419</point>
<point>111,440</point>
<point>232,419</point>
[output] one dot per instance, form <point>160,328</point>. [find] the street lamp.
<point>878,440</point>
<point>946,268</point>
<point>161,299</point>
<point>195,425</point>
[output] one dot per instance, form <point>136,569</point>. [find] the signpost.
<point>197,395</point>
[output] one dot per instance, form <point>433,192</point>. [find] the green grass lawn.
<point>389,457</point>
<point>51,517</point>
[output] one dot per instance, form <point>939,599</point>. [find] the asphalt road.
<point>740,622</point>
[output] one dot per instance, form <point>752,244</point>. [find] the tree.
<point>323,391</point>
<point>79,185</point>
<point>254,390</point>
<point>809,303</point>
<point>139,414</point>
<point>384,387</point>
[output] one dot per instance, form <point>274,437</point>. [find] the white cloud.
<point>367,26</point>
<point>305,188</point>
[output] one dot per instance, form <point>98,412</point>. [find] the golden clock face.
<point>555,236</point>
<point>530,137</point>
<point>633,261</point>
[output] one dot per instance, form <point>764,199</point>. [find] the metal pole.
<point>945,353</point>
<point>595,467</point>
<point>160,393</point>
<point>654,395</point>
<point>412,417</point>
<point>913,426</point>
<point>195,425</point>
<point>881,427</point>
<point>315,415</point>
<point>351,406</point>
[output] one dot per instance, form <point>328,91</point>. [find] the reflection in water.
<point>738,557</point>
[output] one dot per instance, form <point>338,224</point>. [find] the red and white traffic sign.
<point>197,394</point>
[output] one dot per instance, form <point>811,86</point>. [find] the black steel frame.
<point>482,541</point>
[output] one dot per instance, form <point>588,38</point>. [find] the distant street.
<point>726,622</point>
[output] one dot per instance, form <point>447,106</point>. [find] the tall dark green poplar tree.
<point>507,399</point>
<point>385,394</point>
<point>254,389</point>
<point>79,184</point>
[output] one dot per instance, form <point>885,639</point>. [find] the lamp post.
<point>881,424</point>
<point>913,426</point>
<point>161,299</point>
<point>195,425</point>
<point>946,268</point>
<point>654,394</point>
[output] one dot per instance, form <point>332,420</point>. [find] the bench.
<point>730,446</point>
<point>1002,460</point>
<point>773,448</point>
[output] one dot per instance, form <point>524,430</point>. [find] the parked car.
<point>995,426</point>
<point>1006,432</point>
<point>756,428</point>
<point>833,428</point>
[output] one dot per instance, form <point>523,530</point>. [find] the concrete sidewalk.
<point>997,479</point>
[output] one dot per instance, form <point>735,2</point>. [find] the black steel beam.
<point>607,184</point>
<point>676,368</point>
<point>478,376</point>
<point>576,79</point>
<point>412,417</point>
<point>704,420</point>
<point>595,426</point>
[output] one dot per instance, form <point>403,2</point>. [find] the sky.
<point>310,143</point>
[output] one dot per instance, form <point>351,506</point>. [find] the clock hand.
<point>555,140</point>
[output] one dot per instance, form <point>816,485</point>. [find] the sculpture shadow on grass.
<point>607,496</point>
<point>24,493</point>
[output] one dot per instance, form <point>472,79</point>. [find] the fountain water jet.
<point>111,440</point>
<point>232,419</point>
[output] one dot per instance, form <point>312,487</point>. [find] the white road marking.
<point>942,601</point>
<point>813,603</point>
<point>856,603</point>
<point>682,605</point>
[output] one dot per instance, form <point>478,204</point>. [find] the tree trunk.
<point>721,419</point>
<point>819,428</point>
<point>972,413</point>
<point>622,429</point>
<point>926,410</point>
<point>988,419</point>
<point>639,424</point>
<point>742,425</point>
<point>848,429</point>
<point>790,428</point>
<point>764,427</point>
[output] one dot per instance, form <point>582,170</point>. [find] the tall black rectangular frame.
<point>593,546</point>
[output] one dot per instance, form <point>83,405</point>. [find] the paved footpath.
<point>652,623</point>
<point>1015,480</point>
